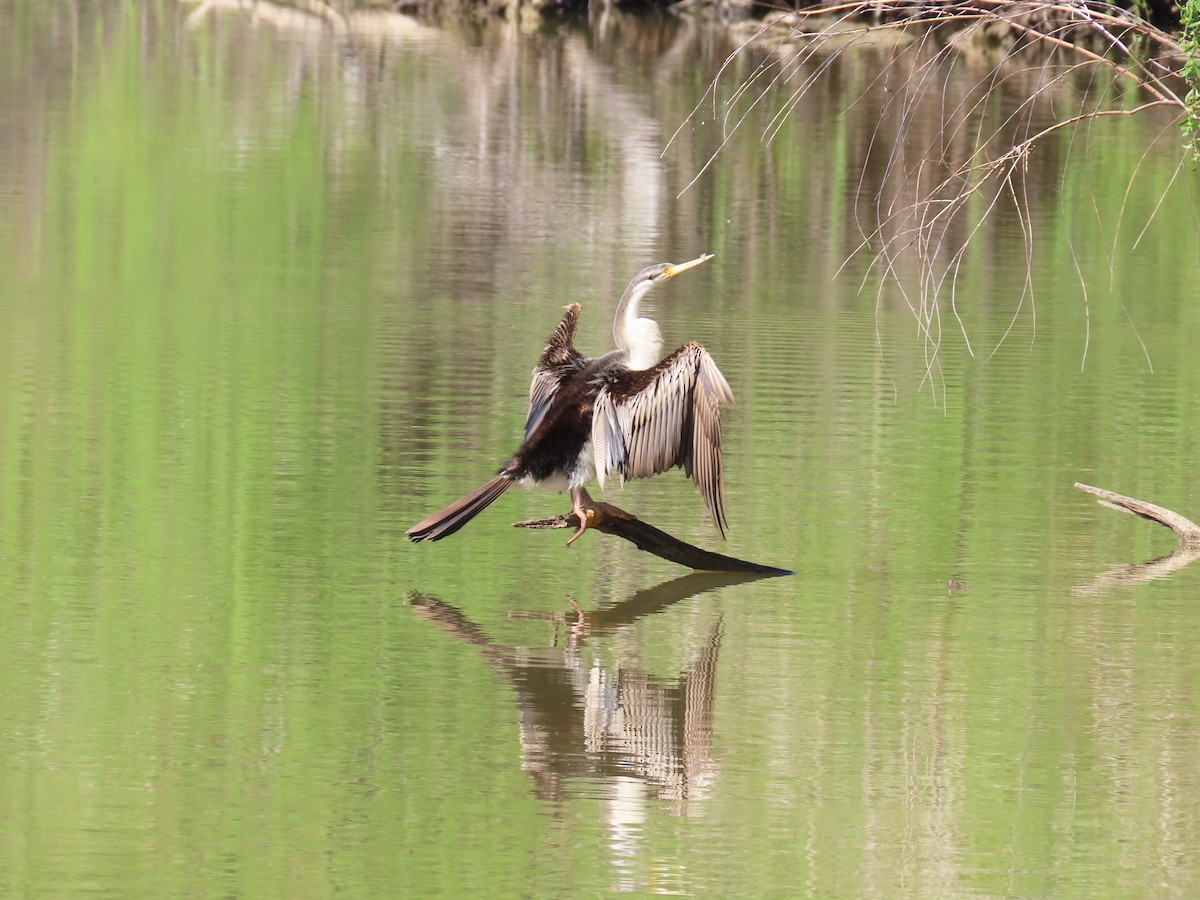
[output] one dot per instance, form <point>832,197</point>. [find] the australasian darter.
<point>625,412</point>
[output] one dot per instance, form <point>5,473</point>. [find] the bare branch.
<point>1188,531</point>
<point>653,540</point>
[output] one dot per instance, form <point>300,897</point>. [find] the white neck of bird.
<point>640,338</point>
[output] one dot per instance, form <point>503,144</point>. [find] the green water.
<point>270,293</point>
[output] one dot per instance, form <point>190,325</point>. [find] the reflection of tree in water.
<point>642,736</point>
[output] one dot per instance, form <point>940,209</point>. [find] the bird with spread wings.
<point>626,414</point>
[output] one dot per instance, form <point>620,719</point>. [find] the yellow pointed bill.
<point>674,270</point>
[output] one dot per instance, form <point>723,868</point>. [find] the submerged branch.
<point>653,540</point>
<point>1188,531</point>
<point>1185,554</point>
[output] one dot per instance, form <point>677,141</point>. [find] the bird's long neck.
<point>640,338</point>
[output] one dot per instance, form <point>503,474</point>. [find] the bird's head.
<point>654,275</point>
<point>641,337</point>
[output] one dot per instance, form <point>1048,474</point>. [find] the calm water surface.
<point>270,292</point>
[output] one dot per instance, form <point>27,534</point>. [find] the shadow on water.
<point>643,737</point>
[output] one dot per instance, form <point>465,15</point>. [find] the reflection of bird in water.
<point>644,737</point>
<point>624,412</point>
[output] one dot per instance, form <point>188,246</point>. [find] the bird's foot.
<point>588,518</point>
<point>592,512</point>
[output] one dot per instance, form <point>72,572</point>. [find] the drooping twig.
<point>1188,531</point>
<point>934,191</point>
<point>646,537</point>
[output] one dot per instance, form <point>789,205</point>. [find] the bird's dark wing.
<point>646,422</point>
<point>558,359</point>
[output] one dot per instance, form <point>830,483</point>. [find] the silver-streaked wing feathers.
<point>559,358</point>
<point>650,421</point>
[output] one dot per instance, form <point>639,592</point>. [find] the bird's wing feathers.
<point>559,358</point>
<point>646,422</point>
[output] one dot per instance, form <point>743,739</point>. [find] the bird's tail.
<point>460,512</point>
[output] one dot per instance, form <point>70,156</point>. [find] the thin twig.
<point>924,191</point>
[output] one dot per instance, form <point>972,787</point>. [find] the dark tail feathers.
<point>460,512</point>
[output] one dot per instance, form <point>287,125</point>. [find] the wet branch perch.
<point>1188,531</point>
<point>646,537</point>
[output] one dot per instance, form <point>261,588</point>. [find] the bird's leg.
<point>578,630</point>
<point>591,513</point>
<point>583,507</point>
